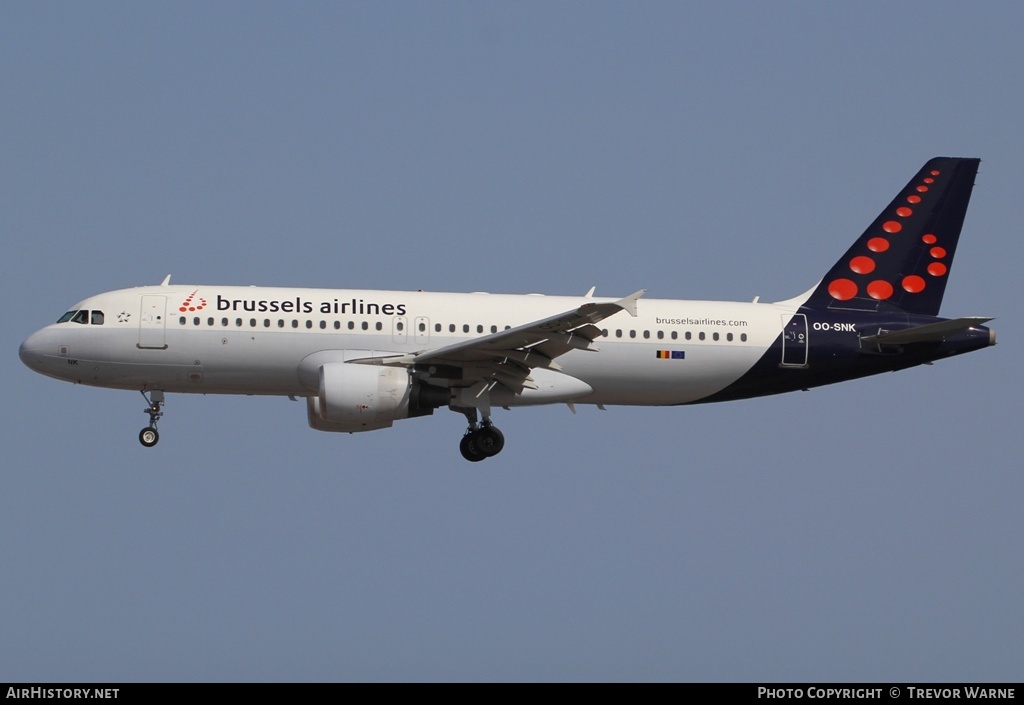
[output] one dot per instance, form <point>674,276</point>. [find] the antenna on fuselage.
<point>166,281</point>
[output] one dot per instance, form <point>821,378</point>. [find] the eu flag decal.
<point>670,354</point>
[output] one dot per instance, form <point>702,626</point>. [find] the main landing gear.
<point>149,436</point>
<point>481,441</point>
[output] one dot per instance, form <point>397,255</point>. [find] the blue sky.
<point>865,531</point>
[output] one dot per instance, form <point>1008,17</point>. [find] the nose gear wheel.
<point>149,435</point>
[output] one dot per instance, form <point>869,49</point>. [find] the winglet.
<point>628,304</point>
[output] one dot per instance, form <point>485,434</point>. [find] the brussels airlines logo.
<point>301,305</point>
<point>903,246</point>
<point>190,305</point>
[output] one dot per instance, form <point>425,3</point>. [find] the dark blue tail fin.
<point>903,259</point>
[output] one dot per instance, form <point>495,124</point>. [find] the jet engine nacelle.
<point>355,398</point>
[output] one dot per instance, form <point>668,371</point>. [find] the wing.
<point>508,356</point>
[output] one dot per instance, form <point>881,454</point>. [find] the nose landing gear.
<point>149,436</point>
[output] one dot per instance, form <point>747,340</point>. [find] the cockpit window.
<point>83,316</point>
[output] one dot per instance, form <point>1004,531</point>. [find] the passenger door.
<point>152,322</point>
<point>794,341</point>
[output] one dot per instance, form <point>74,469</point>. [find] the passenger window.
<point>661,335</point>
<point>714,336</point>
<point>689,335</point>
<point>647,334</point>
<point>494,329</point>
<point>97,318</point>
<point>437,327</point>
<point>195,321</point>
<point>465,328</point>
<point>743,337</point>
<point>351,325</point>
<point>632,334</point>
<point>379,326</point>
<point>701,335</point>
<point>479,328</point>
<point>366,326</point>
<point>728,337</point>
<point>323,325</point>
<point>399,327</point>
<point>675,335</point>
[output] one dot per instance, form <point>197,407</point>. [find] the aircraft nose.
<point>31,351</point>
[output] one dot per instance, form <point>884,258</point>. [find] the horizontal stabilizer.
<point>931,333</point>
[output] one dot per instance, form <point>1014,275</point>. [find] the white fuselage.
<point>258,340</point>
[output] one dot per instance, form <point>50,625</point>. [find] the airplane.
<point>363,359</point>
